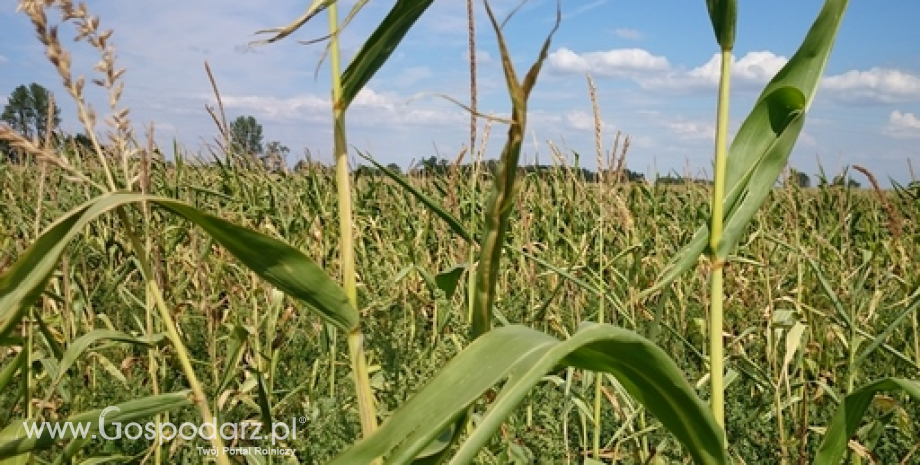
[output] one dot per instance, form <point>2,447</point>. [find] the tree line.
<point>31,111</point>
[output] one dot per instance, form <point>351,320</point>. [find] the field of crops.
<point>822,296</point>
<point>157,310</point>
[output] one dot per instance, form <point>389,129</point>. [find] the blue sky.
<point>653,64</point>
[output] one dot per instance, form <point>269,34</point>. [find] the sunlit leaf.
<point>278,263</point>
<point>379,46</point>
<point>523,357</point>
<point>762,146</point>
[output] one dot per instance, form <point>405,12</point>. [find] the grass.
<point>399,245</point>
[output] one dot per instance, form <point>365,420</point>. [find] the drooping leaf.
<point>278,263</point>
<point>379,46</point>
<point>83,343</point>
<point>455,225</point>
<point>523,357</point>
<point>850,413</point>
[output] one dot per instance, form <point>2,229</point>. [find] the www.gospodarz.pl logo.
<point>165,432</point>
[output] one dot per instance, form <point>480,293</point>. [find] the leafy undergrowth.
<point>813,257</point>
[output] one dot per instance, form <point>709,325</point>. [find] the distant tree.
<point>277,147</point>
<point>26,112</point>
<point>799,178</point>
<point>634,176</point>
<point>246,136</point>
<point>433,166</point>
<point>841,181</point>
<point>275,156</point>
<point>670,179</point>
<point>394,168</point>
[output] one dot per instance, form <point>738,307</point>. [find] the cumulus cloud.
<point>370,108</point>
<point>903,125</point>
<point>655,72</point>
<point>613,63</point>
<point>482,57</point>
<point>753,68</point>
<point>749,72</point>
<point>877,85</point>
<point>276,108</point>
<point>581,120</point>
<point>628,34</point>
<point>692,130</point>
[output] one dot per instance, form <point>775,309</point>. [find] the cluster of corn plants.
<point>443,419</point>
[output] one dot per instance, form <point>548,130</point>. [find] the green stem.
<point>199,398</point>
<point>364,393</point>
<point>716,349</point>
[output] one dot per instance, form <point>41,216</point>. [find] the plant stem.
<point>200,400</point>
<point>365,396</point>
<point>716,350</point>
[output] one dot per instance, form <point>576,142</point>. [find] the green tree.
<point>799,178</point>
<point>275,156</point>
<point>246,136</point>
<point>841,180</point>
<point>394,168</point>
<point>26,112</point>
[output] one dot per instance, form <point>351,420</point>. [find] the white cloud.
<point>691,130</point>
<point>758,67</point>
<point>581,120</point>
<point>482,57</point>
<point>4,59</point>
<point>367,97</point>
<point>655,72</point>
<point>275,108</point>
<point>753,68</point>
<point>877,85</point>
<point>627,33</point>
<point>614,63</point>
<point>903,125</point>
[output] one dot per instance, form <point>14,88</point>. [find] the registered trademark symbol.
<point>302,420</point>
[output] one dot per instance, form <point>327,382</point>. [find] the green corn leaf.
<point>278,263</point>
<point>8,433</point>
<point>448,279</point>
<point>523,357</point>
<point>238,339</point>
<point>13,443</point>
<point>724,15</point>
<point>379,46</point>
<point>78,347</point>
<point>455,225</point>
<point>880,339</point>
<point>504,188</point>
<point>850,413</point>
<point>762,145</point>
<point>11,368</point>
